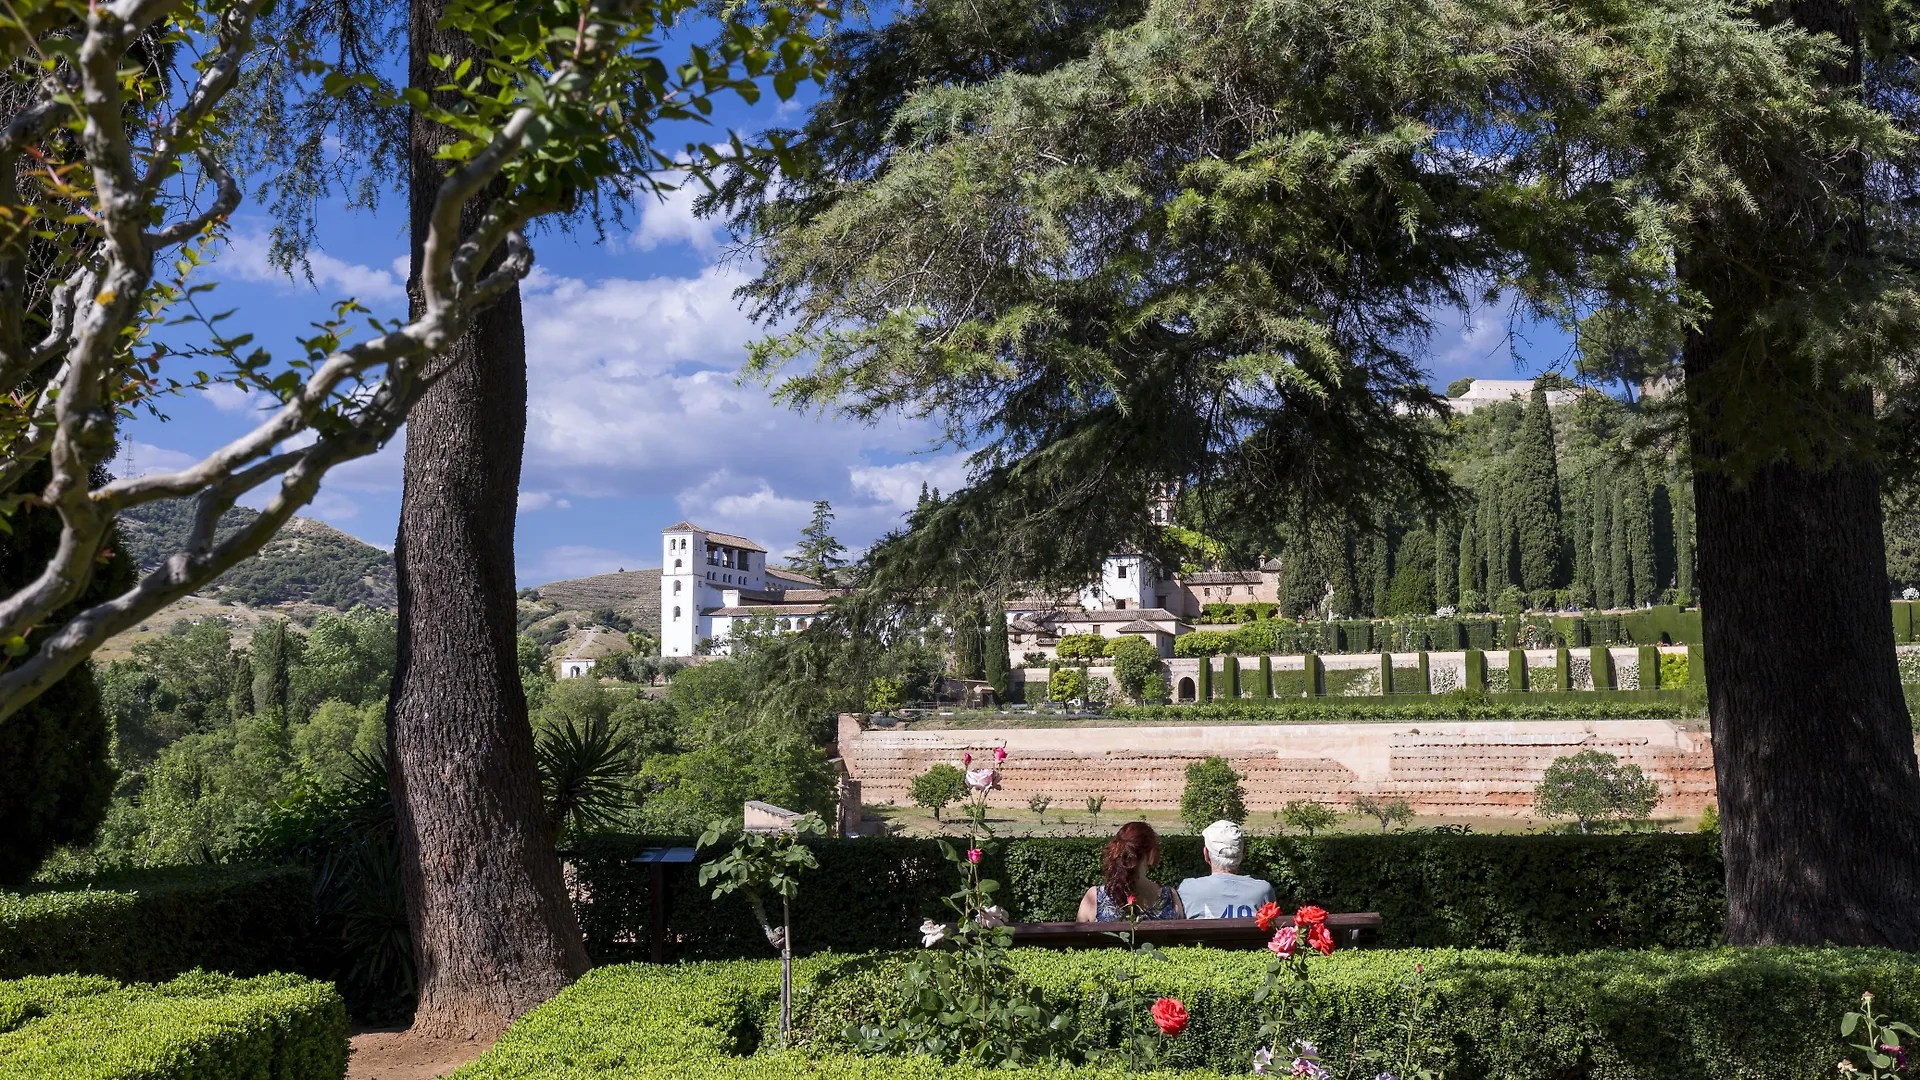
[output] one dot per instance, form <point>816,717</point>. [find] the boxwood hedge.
<point>150,925</point>
<point>1680,1015</point>
<point>199,1026</point>
<point>1545,894</point>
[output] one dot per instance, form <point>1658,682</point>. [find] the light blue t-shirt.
<point>1224,896</point>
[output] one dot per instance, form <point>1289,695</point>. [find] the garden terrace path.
<point>1350,930</point>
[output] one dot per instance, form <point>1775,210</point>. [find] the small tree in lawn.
<point>1096,803</point>
<point>938,787</point>
<point>1213,793</point>
<point>1386,811</point>
<point>759,866</point>
<point>1594,788</point>
<point>1038,804</point>
<point>1309,816</point>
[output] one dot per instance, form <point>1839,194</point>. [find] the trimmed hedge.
<point>145,926</point>
<point>1414,708</point>
<point>1546,894</point>
<point>1761,1013</point>
<point>200,1026</point>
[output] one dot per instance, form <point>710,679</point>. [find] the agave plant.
<point>586,772</point>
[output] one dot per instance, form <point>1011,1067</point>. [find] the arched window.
<point>676,588</point>
<point>676,564</point>
<point>1186,685</point>
<point>676,613</point>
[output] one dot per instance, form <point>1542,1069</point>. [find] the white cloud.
<point>541,500</point>
<point>138,459</point>
<point>898,486</point>
<point>668,219</point>
<point>246,254</point>
<point>573,561</point>
<point>229,398</point>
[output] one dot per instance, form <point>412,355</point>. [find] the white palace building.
<point>711,580</point>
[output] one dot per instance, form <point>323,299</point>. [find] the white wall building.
<point>1126,581</point>
<point>697,568</point>
<point>1484,392</point>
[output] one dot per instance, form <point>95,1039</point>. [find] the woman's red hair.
<point>1130,849</point>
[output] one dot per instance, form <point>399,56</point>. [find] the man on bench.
<point>1224,893</point>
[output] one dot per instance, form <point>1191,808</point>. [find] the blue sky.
<point>635,420</point>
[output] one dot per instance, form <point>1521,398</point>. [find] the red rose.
<point>1309,916</point>
<point>1170,1015</point>
<point>1320,938</point>
<point>1265,917</point>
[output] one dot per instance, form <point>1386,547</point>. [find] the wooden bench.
<point>1351,930</point>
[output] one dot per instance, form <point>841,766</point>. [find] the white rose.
<point>932,933</point>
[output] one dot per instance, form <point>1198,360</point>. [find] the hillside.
<point>308,562</point>
<point>633,593</point>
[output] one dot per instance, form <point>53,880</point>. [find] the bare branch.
<point>226,201</point>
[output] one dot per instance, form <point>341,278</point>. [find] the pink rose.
<point>1283,942</point>
<point>999,754</point>
<point>973,856</point>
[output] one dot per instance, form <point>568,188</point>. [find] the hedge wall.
<point>200,1026</point>
<point>151,925</point>
<point>1759,1013</point>
<point>1545,894</point>
<point>1413,708</point>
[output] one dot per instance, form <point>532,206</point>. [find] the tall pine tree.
<point>1533,492</point>
<point>818,554</point>
<point>1446,564</point>
<point>1470,561</point>
<point>1619,547</point>
<point>1601,544</point>
<point>1579,519</point>
<point>1646,587</point>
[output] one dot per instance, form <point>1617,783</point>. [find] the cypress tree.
<point>1601,545</point>
<point>998,666</point>
<point>1533,489</point>
<point>1683,542</point>
<point>1619,548</point>
<point>1579,520</point>
<point>1446,564</point>
<point>1379,575</point>
<point>1230,670</point>
<point>1646,587</point>
<point>274,651</point>
<point>1469,577</point>
<point>1660,516</point>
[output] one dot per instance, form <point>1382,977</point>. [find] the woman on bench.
<point>1133,851</point>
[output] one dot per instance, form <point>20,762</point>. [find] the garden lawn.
<point>1675,1015</point>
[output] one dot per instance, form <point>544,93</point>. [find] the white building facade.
<point>698,567</point>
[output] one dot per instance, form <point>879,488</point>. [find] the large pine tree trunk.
<point>1819,790</point>
<point>494,934</point>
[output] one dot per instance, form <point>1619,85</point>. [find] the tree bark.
<point>1813,749</point>
<point>493,931</point>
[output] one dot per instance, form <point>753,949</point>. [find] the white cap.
<point>1226,845</point>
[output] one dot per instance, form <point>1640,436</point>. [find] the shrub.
<point>1154,688</point>
<point>1673,670</point>
<point>1213,792</point>
<point>1219,613</point>
<point>154,924</point>
<point>1081,647</point>
<point>1309,816</point>
<point>1261,638</point>
<point>1202,643</point>
<point>1550,893</point>
<point>1066,684</point>
<point>1692,1015</point>
<point>1134,658</point>
<point>200,1026</point>
<point>1595,788</point>
<point>884,695</point>
<point>937,788</point>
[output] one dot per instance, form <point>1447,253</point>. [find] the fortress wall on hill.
<point>1466,769</point>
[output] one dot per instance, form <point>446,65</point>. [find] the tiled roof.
<point>1139,626</point>
<point>776,610</point>
<point>811,596</point>
<point>1152,614</point>
<point>1224,577</point>
<point>723,539</point>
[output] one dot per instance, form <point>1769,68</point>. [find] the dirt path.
<point>395,1054</point>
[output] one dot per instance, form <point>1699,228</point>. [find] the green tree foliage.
<point>1388,812</point>
<point>1309,815</point>
<point>1595,789</point>
<point>1067,684</point>
<point>819,555</point>
<point>1213,793</point>
<point>998,665</point>
<point>1412,590</point>
<point>1081,646</point>
<point>1535,479</point>
<point>939,787</point>
<point>1134,660</point>
<point>308,562</point>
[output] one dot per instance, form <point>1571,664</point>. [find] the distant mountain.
<point>306,561</point>
<point>633,593</point>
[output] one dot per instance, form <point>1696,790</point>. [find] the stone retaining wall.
<point>1464,769</point>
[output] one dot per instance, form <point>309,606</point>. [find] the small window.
<point>1122,575</point>
<point>1119,603</point>
<point>676,564</point>
<point>676,588</point>
<point>676,613</point>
